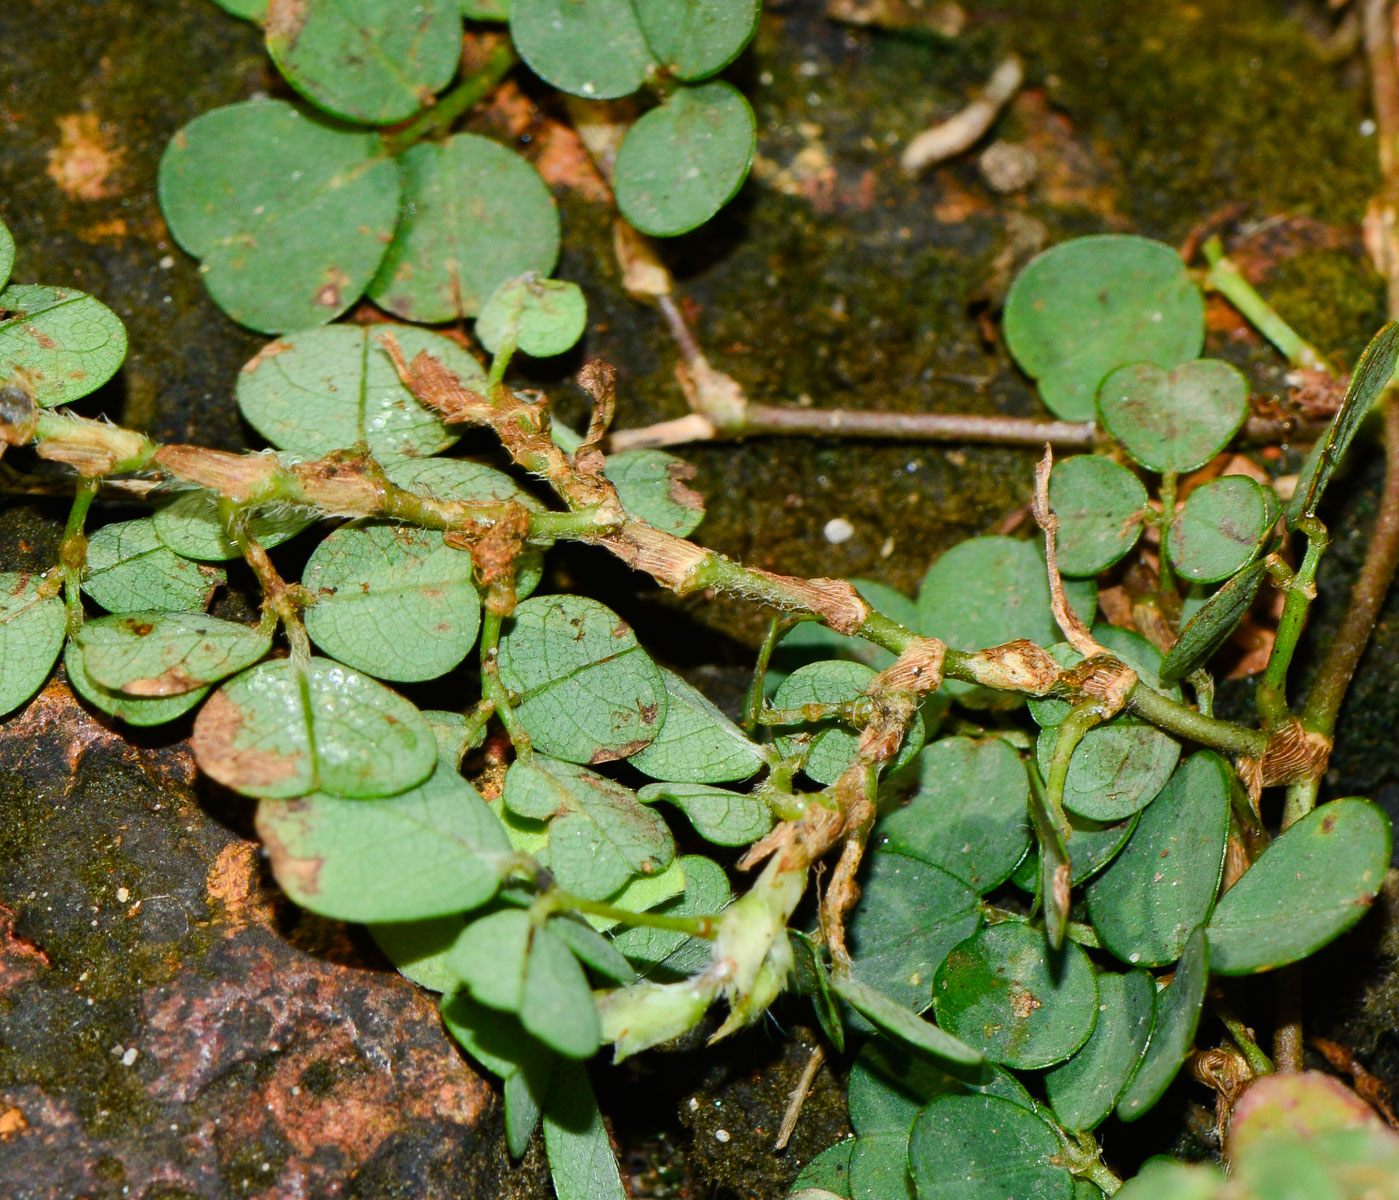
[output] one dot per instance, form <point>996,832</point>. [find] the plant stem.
<point>1301,591</point>
<point>1168,515</point>
<point>453,103</point>
<point>72,550</point>
<point>1258,1062</point>
<point>753,701</point>
<point>1224,276</point>
<point>557,898</point>
<point>493,690</point>
<point>1184,722</point>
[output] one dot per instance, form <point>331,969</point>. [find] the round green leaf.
<point>661,952</point>
<point>969,815</point>
<point>1091,847</point>
<point>281,731</point>
<point>322,390</point>
<point>1145,905</point>
<point>696,743</point>
<point>190,526</point>
<point>1083,1090</point>
<point>157,653</point>
<point>433,850</point>
<point>696,38</point>
<point>371,61</point>
<point>976,1147</point>
<point>832,743</point>
<point>1086,306</point>
<point>651,486</point>
<point>32,628</point>
<point>909,916</point>
<point>489,957</point>
<point>132,710</point>
<point>1100,506</point>
<point>1117,769</point>
<point>828,1174</point>
<point>903,1024</point>
<point>1221,528</point>
<point>395,602</point>
<point>1174,420</point>
<point>1006,993</point>
<point>66,343</point>
<point>7,254</point>
<point>1212,624</point>
<point>588,693</point>
<point>538,316</point>
<point>129,569</point>
<point>290,215</point>
<point>1323,873</point>
<point>682,162</point>
<point>592,48</point>
<point>418,948</point>
<point>476,214</point>
<point>1177,1015</point>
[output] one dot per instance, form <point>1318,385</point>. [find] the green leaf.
<point>1177,1015</point>
<point>490,955</point>
<point>1371,376</point>
<point>696,38</point>
<point>1323,873</point>
<point>131,709</point>
<point>810,641</point>
<point>696,743</point>
<point>1100,506</point>
<point>1086,306</point>
<point>1145,905</point>
<point>592,948</point>
<point>290,214</point>
<point>1167,1179</point>
<point>129,569</point>
<point>828,1172</point>
<point>651,487</point>
<point>539,317</point>
<point>1004,991</point>
<point>249,10</point>
<point>395,602</point>
<point>494,1038</point>
<point>952,1055</point>
<point>682,162</point>
<point>1117,769</point>
<point>910,914</point>
<point>990,590</point>
<point>477,215</point>
<point>834,744</point>
<point>7,254</point>
<point>156,653</point>
<point>968,815</point>
<point>1091,847</point>
<point>600,835</point>
<point>524,1105</point>
<point>1083,1090</point>
<point>419,948</point>
<point>431,851</point>
<point>459,479</point>
<point>192,528</point>
<point>371,61</point>
<point>1174,420</point>
<point>556,1004</point>
<point>721,817</point>
<point>811,978</point>
<point>588,691</point>
<point>322,390</point>
<point>664,953</point>
<point>985,1148</point>
<point>66,343</point>
<point>486,10</point>
<point>1221,528</point>
<point>280,730</point>
<point>1211,626</point>
<point>591,48</point>
<point>581,1161</point>
<point>32,628</point>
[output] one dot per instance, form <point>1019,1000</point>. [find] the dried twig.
<point>962,131</point>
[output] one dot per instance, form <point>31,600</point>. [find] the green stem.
<point>1168,514</point>
<point>556,899</point>
<point>1258,1062</point>
<point>1176,718</point>
<point>753,701</point>
<point>1224,276</point>
<point>72,550</point>
<point>1301,591</point>
<point>494,691</point>
<point>452,104</point>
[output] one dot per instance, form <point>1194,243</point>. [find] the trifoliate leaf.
<point>1221,528</point>
<point>66,343</point>
<point>131,709</point>
<point>1177,1015</point>
<point>588,692</point>
<point>431,851</point>
<point>1323,873</point>
<point>722,817</point>
<point>476,214</point>
<point>1092,304</point>
<point>371,61</point>
<point>1211,626</point>
<point>290,214</point>
<point>651,486</point>
<point>1174,420</point>
<point>32,628</point>
<point>395,602</point>
<point>539,317</point>
<point>1100,506</point>
<point>590,48</point>
<point>192,528</point>
<point>682,162</point>
<point>130,569</point>
<point>322,390</point>
<point>697,743</point>
<point>157,653</point>
<point>282,730</point>
<point>973,1147</point>
<point>696,38</point>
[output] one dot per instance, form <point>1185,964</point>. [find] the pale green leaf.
<point>66,343</point>
<point>539,317</point>
<point>157,653</point>
<point>581,1161</point>
<point>32,628</point>
<point>651,486</point>
<point>133,710</point>
<point>130,569</point>
<point>192,528</point>
<point>722,817</point>
<point>696,742</point>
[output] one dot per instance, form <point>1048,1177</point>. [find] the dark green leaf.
<point>952,1055</point>
<point>1089,305</point>
<point>1177,1015</point>
<point>682,162</point>
<point>191,527</point>
<point>540,317</point>
<point>1221,528</point>
<point>1209,628</point>
<point>7,254</point>
<point>591,48</point>
<point>829,1172</point>
<point>291,215</point>
<point>696,743</point>
<point>1174,420</point>
<point>1117,769</point>
<point>486,10</point>
<point>651,487</point>
<point>1091,847</point>
<point>581,1161</point>
<point>696,38</point>
<point>974,1147</point>
<point>371,61</point>
<point>157,653</point>
<point>32,628</point>
<point>249,10</point>
<point>1323,873</point>
<point>1100,506</point>
<point>722,817</point>
<point>66,343</point>
<point>130,569</point>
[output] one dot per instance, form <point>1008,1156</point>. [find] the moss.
<point>1335,296</point>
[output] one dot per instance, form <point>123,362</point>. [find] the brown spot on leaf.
<point>298,875</point>
<point>284,20</point>
<point>215,746</point>
<point>41,338</point>
<point>1024,1002</point>
<point>82,164</point>
<point>271,350</point>
<point>613,754</point>
<point>174,682</point>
